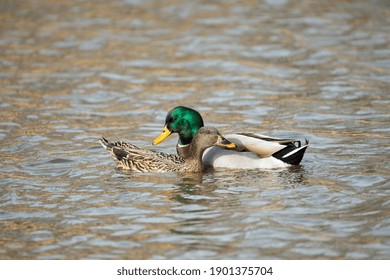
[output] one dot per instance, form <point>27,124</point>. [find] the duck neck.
<point>195,154</point>
<point>183,150</point>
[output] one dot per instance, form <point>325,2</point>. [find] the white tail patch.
<point>294,151</point>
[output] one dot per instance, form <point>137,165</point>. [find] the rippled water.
<point>77,70</point>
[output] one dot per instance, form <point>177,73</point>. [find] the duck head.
<point>182,120</point>
<point>206,137</point>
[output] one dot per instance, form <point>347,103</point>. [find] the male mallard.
<point>253,150</point>
<point>128,156</point>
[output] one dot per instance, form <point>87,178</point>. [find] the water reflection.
<point>73,72</point>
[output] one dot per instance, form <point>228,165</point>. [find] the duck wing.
<point>256,151</point>
<point>261,145</point>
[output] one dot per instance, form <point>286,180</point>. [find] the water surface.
<point>77,70</point>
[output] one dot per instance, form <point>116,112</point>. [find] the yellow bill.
<point>164,134</point>
<point>223,142</point>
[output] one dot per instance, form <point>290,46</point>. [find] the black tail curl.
<point>292,153</point>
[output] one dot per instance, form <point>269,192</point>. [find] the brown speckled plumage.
<point>128,156</point>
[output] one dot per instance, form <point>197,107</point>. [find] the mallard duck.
<point>129,156</point>
<point>253,150</point>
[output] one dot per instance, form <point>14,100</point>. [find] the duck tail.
<point>117,153</point>
<point>104,142</point>
<point>292,154</point>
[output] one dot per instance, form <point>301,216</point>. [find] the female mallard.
<point>253,150</point>
<point>128,156</point>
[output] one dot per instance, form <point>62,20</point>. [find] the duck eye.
<point>170,119</point>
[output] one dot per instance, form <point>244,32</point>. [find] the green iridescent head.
<point>182,120</point>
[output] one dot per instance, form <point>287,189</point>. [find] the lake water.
<point>72,71</point>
